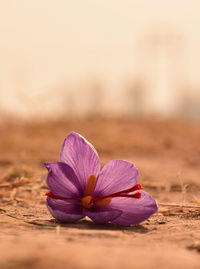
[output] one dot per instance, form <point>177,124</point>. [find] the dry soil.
<point>167,154</point>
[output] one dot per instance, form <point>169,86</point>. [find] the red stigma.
<point>124,193</point>
<point>137,195</point>
<point>51,195</point>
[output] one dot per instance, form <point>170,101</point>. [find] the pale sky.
<point>46,43</point>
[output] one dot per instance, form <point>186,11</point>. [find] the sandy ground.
<point>167,154</point>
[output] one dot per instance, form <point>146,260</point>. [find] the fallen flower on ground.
<point>78,187</point>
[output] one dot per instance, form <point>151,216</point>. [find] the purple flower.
<point>78,187</point>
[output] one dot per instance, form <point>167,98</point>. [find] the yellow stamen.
<point>90,185</point>
<point>86,201</point>
<point>103,202</point>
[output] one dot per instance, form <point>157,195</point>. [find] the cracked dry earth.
<point>167,154</point>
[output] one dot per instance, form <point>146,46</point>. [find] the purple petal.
<point>134,210</point>
<point>62,180</point>
<point>116,176</point>
<point>65,210</point>
<point>78,153</point>
<point>103,214</point>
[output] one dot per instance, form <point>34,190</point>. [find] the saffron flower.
<point>78,187</point>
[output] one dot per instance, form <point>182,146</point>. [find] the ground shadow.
<point>89,225</point>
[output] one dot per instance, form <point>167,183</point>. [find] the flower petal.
<point>62,180</point>
<point>65,210</point>
<point>78,153</point>
<point>134,210</point>
<point>103,214</point>
<point>116,176</point>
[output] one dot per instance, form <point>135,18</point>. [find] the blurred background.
<point>125,74</point>
<point>96,57</point>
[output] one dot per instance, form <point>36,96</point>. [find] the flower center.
<point>89,189</point>
<point>89,202</point>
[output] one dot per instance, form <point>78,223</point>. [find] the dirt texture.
<point>167,154</point>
